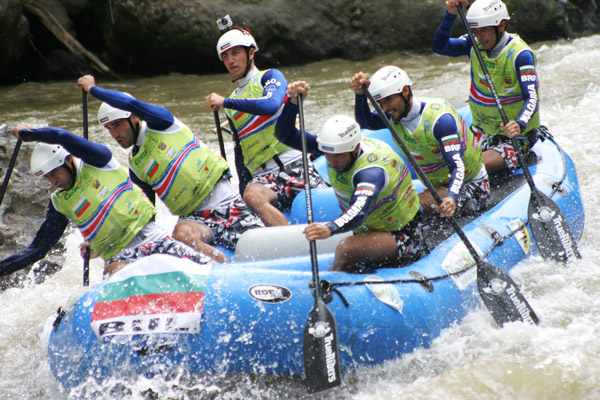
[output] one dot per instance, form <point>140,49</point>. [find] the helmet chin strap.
<point>72,173</point>
<point>248,64</point>
<point>135,129</point>
<point>353,157</point>
<point>498,36</point>
<point>406,102</point>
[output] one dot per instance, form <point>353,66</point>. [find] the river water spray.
<point>473,359</point>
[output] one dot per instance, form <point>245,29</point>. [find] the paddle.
<point>11,166</point>
<point>244,174</point>
<point>498,291</point>
<point>548,224</point>
<point>219,134</point>
<point>86,256</point>
<point>321,358</point>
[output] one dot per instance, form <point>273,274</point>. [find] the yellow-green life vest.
<point>106,206</point>
<point>506,82</point>
<point>426,149</point>
<point>256,132</point>
<point>181,169</point>
<point>397,202</point>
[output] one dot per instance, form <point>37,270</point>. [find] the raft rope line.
<point>545,134</point>
<point>329,287</point>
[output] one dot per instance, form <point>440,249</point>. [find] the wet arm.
<point>443,44</point>
<point>47,236</point>
<point>157,118</point>
<point>363,115</point>
<point>528,80</point>
<point>368,183</point>
<point>274,94</point>
<point>286,132</point>
<point>91,153</point>
<point>446,132</point>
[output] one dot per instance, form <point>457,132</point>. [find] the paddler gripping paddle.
<point>498,291</point>
<point>321,358</point>
<point>548,224</point>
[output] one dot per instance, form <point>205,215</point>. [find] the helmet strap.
<point>406,102</point>
<point>135,129</point>
<point>71,170</point>
<point>498,36</point>
<point>354,155</point>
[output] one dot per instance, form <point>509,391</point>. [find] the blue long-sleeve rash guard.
<point>286,132</point>
<point>274,92</point>
<point>55,223</point>
<point>445,126</point>
<point>157,118</point>
<point>444,45</point>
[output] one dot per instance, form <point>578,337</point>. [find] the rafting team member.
<point>167,159</point>
<point>252,111</point>
<point>373,187</point>
<point>94,191</point>
<point>436,136</point>
<point>511,65</point>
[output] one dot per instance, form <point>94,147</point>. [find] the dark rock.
<point>162,36</point>
<point>13,39</point>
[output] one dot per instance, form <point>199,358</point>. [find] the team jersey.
<point>438,139</point>
<point>376,193</point>
<point>55,223</point>
<point>253,109</point>
<point>168,159</point>
<point>522,66</point>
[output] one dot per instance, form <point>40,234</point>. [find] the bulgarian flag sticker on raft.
<point>156,294</point>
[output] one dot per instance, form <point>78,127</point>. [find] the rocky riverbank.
<point>162,36</point>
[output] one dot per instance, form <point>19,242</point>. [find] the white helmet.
<point>46,158</point>
<point>235,37</point>
<point>340,134</point>
<point>387,81</point>
<point>484,13</point>
<point>108,113</point>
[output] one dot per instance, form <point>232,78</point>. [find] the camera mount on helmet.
<point>225,24</point>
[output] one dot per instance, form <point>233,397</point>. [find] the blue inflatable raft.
<point>163,315</point>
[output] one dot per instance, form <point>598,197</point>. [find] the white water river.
<point>473,359</point>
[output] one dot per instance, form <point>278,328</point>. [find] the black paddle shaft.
<point>86,256</point>
<point>11,166</point>
<point>219,134</point>
<point>309,210</point>
<point>554,226</point>
<point>420,172</point>
<point>486,73</point>
<point>321,354</point>
<point>498,291</point>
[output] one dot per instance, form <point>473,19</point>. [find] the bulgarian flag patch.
<point>80,207</point>
<point>151,167</point>
<point>156,294</point>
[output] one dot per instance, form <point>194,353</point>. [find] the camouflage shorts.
<point>164,245</point>
<point>411,242</point>
<point>503,146</point>
<point>475,194</point>
<point>289,181</point>
<point>228,222</point>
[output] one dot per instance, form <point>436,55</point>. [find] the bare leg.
<point>197,237</point>
<point>493,161</point>
<point>365,248</point>
<point>113,267</point>
<point>259,199</point>
<point>427,201</point>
